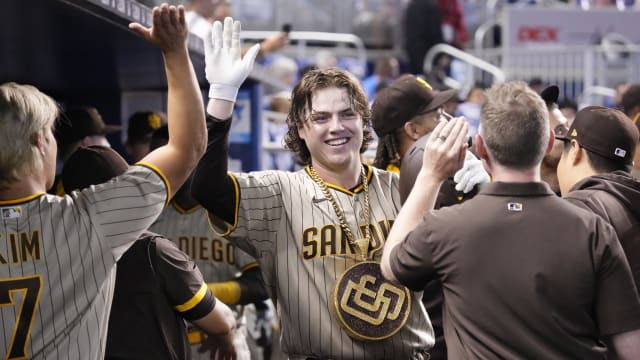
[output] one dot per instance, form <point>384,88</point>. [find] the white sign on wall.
<point>535,27</point>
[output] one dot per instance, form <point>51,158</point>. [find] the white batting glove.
<point>224,68</point>
<point>471,174</point>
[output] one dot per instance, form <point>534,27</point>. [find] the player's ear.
<point>550,142</point>
<point>39,140</point>
<point>409,129</point>
<point>480,148</point>
<point>576,153</point>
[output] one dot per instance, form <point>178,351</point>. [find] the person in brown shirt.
<point>594,173</point>
<point>403,115</point>
<point>524,273</point>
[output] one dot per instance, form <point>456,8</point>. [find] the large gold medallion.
<point>367,306</point>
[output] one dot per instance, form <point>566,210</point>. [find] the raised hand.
<point>274,43</point>
<point>169,30</point>
<point>225,69</point>
<point>444,151</point>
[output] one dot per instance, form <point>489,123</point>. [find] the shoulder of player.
<point>383,177</point>
<point>163,245</point>
<point>263,177</point>
<point>136,174</point>
<point>590,201</point>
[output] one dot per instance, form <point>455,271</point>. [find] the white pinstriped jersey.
<point>57,263</point>
<point>217,259</point>
<point>286,222</point>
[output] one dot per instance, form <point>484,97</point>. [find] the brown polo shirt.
<point>525,275</point>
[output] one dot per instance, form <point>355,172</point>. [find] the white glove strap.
<point>223,91</point>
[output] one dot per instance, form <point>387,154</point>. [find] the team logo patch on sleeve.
<point>367,306</point>
<point>11,212</point>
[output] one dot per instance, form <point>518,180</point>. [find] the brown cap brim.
<point>439,99</point>
<point>110,129</point>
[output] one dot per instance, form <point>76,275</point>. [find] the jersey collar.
<point>21,200</point>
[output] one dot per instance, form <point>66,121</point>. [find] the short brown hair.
<point>301,106</point>
<point>515,125</point>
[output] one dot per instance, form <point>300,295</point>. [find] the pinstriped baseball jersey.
<point>57,263</point>
<point>285,221</point>
<point>217,259</point>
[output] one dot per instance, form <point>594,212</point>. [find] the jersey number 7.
<point>31,287</point>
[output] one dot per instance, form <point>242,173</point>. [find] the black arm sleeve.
<point>211,186</point>
<point>252,287</point>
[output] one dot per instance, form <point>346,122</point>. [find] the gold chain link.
<point>362,245</point>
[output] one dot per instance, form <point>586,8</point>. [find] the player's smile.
<point>337,142</point>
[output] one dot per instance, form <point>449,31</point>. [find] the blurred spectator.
<point>471,108</point>
<point>454,31</point>
<point>201,14</point>
<point>590,4</point>
<point>630,103</point>
<point>451,106</point>
<point>78,127</point>
<point>141,126</point>
<point>422,30</point>
<point>305,69</point>
<point>536,84</point>
<point>325,59</point>
<point>285,70</point>
<point>558,124</point>
<point>385,71</point>
<point>374,22</point>
<point>277,129</point>
<point>379,88</point>
<point>81,126</point>
<point>568,108</point>
<point>620,89</point>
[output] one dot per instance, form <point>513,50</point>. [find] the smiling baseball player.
<point>318,232</point>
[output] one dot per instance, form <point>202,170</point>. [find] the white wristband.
<point>223,91</point>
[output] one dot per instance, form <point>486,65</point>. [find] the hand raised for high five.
<point>169,30</point>
<point>444,151</point>
<point>225,69</point>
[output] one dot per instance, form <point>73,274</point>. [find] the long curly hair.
<point>387,151</point>
<point>301,106</point>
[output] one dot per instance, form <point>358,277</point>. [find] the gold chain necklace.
<point>362,244</point>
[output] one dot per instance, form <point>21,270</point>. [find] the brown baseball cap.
<point>91,165</point>
<point>405,98</point>
<point>142,124</point>
<point>78,122</point>
<point>604,131</point>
